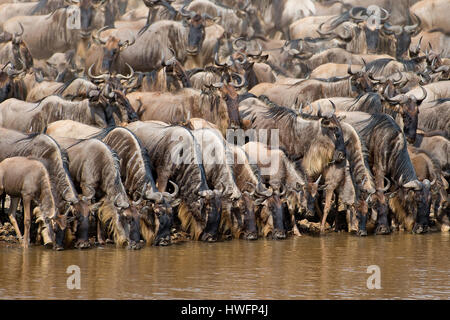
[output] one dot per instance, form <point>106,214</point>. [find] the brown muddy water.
<point>333,266</point>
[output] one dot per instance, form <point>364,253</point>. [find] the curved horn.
<point>318,180</point>
<point>417,49</point>
<point>395,81</point>
<point>186,14</point>
<point>100,77</point>
<point>425,93</point>
<point>127,43</point>
<point>358,17</point>
<point>253,187</point>
<point>300,112</point>
<point>175,186</point>
<point>96,34</point>
<point>323,33</point>
<point>333,105</point>
<point>136,203</point>
<point>22,30</point>
<point>319,111</point>
<point>387,15</point>
<point>393,29</point>
<point>236,47</point>
<point>283,192</point>
<point>217,62</point>
<point>349,70</point>
<point>413,28</point>
<point>386,188</point>
<point>120,76</point>
<point>241,82</point>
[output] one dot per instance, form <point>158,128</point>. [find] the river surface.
<point>333,266</point>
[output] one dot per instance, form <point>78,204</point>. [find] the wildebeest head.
<point>88,9</point>
<point>360,80</point>
<point>408,107</point>
<point>244,213</point>
<point>130,220</point>
<point>111,48</point>
<point>271,216</point>
<point>61,66</point>
<point>81,211</point>
<point>227,89</point>
<point>209,205</point>
<point>415,198</point>
<point>403,36</point>
<point>196,24</point>
<point>312,190</point>
<point>6,86</point>
<point>111,94</point>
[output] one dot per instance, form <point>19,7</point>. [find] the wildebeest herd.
<point>147,122</point>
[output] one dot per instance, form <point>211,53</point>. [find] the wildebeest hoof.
<point>82,244</point>
<point>279,235</point>
<point>58,248</point>
<point>208,238</point>
<point>251,236</point>
<point>362,233</point>
<point>418,228</point>
<point>135,245</point>
<point>382,229</point>
<point>163,242</point>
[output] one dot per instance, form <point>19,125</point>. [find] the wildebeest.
<point>175,155</point>
<point>216,158</point>
<point>254,194</point>
<point>216,105</point>
<point>432,13</point>
<point>27,179</point>
<point>306,91</point>
<point>34,117</point>
<point>137,177</point>
<point>46,149</point>
<point>428,167</point>
<point>6,85</point>
<point>76,89</point>
<point>15,50</point>
<point>380,133</point>
<point>234,21</point>
<point>438,146</point>
<point>57,32</point>
<point>281,174</point>
<point>435,116</point>
<point>96,170</point>
<point>322,140</point>
<point>156,42</point>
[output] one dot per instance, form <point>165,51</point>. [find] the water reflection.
<point>328,267</point>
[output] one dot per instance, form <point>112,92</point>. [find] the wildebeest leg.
<point>326,209</point>
<point>294,226</point>
<point>382,208</point>
<point>100,239</point>
<point>12,216</point>
<point>26,200</point>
